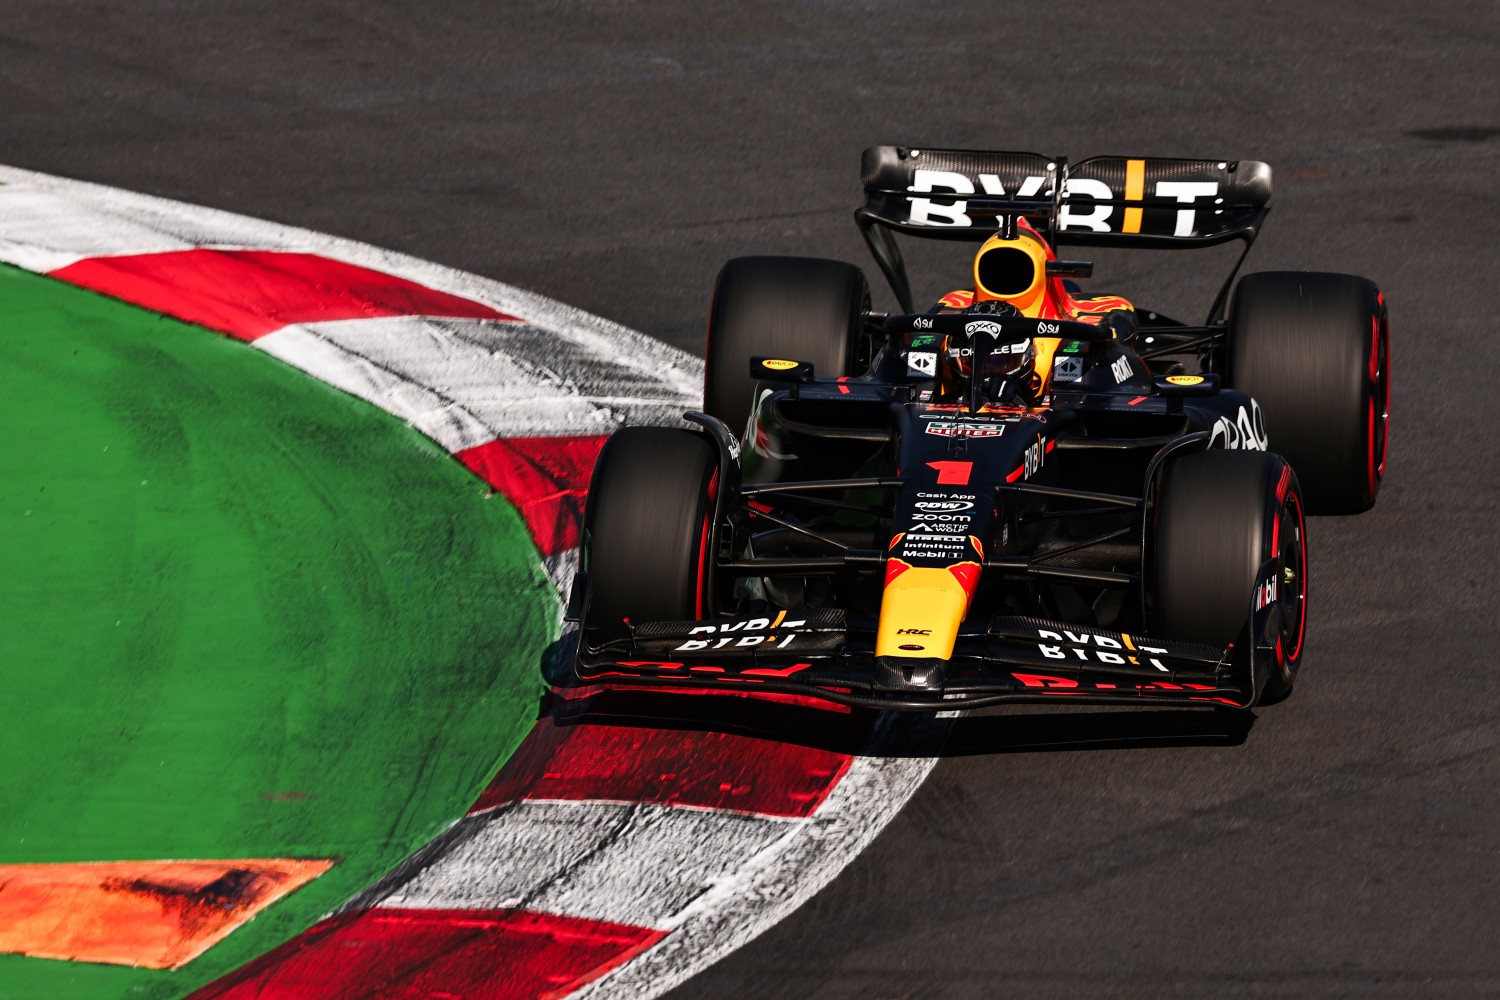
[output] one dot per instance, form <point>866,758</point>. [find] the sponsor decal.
<point>1014,412</point>
<point>1247,431</point>
<point>1185,379</point>
<point>777,365</point>
<point>1067,685</point>
<point>745,625</point>
<point>921,544</point>
<point>1068,368</point>
<point>1102,648</point>
<point>949,505</point>
<point>1265,592</point>
<point>1035,455</point>
<point>738,642</point>
<point>1121,368</point>
<point>925,340</point>
<point>664,665</point>
<point>921,323</point>
<point>912,647</point>
<point>914,631</point>
<point>954,428</point>
<point>981,326</point>
<point>726,634</point>
<point>921,363</point>
<point>1073,347</point>
<point>950,207</point>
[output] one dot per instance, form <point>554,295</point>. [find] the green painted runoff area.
<point>246,615</point>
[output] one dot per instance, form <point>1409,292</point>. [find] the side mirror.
<point>781,370</point>
<point>1186,385</point>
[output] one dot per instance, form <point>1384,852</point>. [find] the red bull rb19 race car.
<point>1019,494</point>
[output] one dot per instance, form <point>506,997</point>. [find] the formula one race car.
<point>1019,494</point>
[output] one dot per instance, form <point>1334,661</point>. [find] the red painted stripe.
<point>546,478</point>
<point>249,293</point>
<point>732,752</point>
<point>477,955</point>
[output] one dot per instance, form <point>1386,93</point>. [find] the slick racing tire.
<point>646,529</point>
<point>798,308</point>
<point>1313,349</point>
<point>1230,562</point>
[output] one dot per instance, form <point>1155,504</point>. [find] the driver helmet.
<point>1007,358</point>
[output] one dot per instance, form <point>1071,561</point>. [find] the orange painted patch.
<point>155,914</point>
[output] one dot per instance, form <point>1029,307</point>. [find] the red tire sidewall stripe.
<point>1294,500</point>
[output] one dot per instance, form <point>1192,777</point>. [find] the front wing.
<point>823,654</point>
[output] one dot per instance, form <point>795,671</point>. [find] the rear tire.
<point>646,529</point>
<point>800,308</point>
<point>1226,522</point>
<point>1314,350</point>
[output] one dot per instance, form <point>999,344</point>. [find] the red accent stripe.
<point>546,478</point>
<point>1385,389</point>
<point>394,954</point>
<point>1138,399</point>
<point>249,293</point>
<point>731,752</point>
<point>967,575</point>
<point>1301,574</point>
<point>951,473</point>
<point>895,567</point>
<point>1020,471</point>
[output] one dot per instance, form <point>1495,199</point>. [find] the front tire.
<point>1314,350</point>
<point>1231,562</point>
<point>799,308</point>
<point>646,528</point>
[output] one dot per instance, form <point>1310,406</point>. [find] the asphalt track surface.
<point>611,155</point>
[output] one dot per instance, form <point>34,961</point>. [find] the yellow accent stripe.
<point>780,617</point>
<point>1123,635</point>
<point>1135,190</point>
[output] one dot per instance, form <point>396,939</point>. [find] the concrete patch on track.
<point>653,876</point>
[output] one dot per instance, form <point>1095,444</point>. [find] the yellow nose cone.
<point>920,611</point>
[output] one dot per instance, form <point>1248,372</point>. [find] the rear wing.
<point>1154,202</point>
